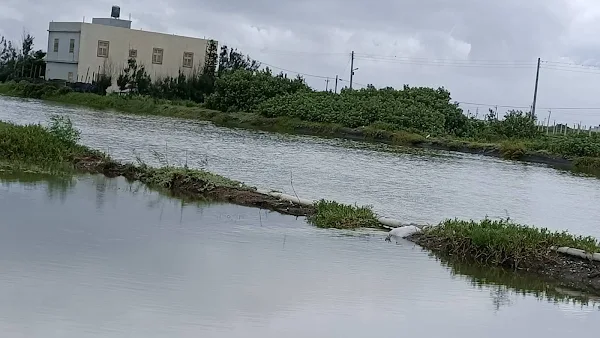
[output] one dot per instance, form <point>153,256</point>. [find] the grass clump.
<point>174,178</point>
<point>41,145</point>
<point>331,214</point>
<point>512,150</point>
<point>502,242</point>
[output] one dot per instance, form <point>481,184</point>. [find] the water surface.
<point>411,187</point>
<point>98,257</point>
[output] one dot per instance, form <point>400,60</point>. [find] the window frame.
<point>99,48</point>
<point>158,52</point>
<point>188,56</point>
<point>56,45</point>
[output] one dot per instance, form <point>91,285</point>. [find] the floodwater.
<point>98,257</point>
<point>411,187</point>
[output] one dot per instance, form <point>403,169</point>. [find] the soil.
<point>192,187</point>
<point>562,270</point>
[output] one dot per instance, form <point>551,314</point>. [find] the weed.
<point>330,214</point>
<point>502,242</point>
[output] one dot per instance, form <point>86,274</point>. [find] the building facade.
<point>78,51</point>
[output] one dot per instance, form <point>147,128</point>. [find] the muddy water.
<point>412,187</point>
<point>97,257</point>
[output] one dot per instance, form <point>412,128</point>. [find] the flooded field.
<point>422,187</point>
<point>98,257</point>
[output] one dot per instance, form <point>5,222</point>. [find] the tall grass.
<point>330,214</point>
<point>37,144</point>
<point>502,242</point>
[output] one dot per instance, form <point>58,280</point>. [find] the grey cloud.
<point>432,29</point>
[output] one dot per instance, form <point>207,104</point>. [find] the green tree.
<point>211,59</point>
<point>231,60</point>
<point>134,78</point>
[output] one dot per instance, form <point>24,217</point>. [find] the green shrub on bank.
<point>38,144</point>
<point>411,116</point>
<point>330,214</point>
<point>410,109</point>
<point>502,242</point>
<point>242,90</point>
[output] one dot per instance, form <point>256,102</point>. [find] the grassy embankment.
<point>504,244</point>
<point>495,243</point>
<point>399,119</point>
<point>54,149</point>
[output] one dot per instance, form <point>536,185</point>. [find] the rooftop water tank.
<point>115,12</point>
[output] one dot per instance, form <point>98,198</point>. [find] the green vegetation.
<point>37,145</point>
<point>238,94</point>
<point>501,242</point>
<point>17,63</point>
<point>330,214</point>
<point>55,148</point>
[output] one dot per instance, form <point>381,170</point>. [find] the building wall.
<point>57,70</point>
<point>112,22</point>
<point>121,40</point>
<point>60,63</point>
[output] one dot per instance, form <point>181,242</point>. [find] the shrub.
<point>330,214</point>
<point>502,242</point>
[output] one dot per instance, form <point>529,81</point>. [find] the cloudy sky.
<point>483,51</point>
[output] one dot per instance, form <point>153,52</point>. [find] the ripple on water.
<point>414,188</point>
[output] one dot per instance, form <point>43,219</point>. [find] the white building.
<point>77,51</point>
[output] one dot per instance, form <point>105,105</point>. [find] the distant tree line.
<point>18,62</point>
<point>227,81</point>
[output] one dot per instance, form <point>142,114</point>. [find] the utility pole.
<point>326,84</point>
<point>351,67</point>
<point>537,77</point>
<point>548,124</point>
<point>336,81</point>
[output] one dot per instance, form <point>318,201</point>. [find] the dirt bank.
<point>560,269</point>
<point>180,183</point>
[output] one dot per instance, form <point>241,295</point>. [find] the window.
<point>55,45</point>
<point>188,59</point>
<point>72,46</point>
<point>70,77</point>
<point>157,56</point>
<point>133,53</point>
<point>103,49</point>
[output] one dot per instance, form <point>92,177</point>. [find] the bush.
<point>243,90</point>
<point>501,242</point>
<point>411,109</point>
<point>37,144</point>
<point>330,214</point>
<point>62,128</point>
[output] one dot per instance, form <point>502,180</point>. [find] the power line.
<point>446,61</point>
<point>295,72</point>
<point>525,107</point>
<point>450,64</point>
<point>268,50</point>
<point>353,82</point>
<point>571,70</point>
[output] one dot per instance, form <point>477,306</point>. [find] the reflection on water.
<point>112,259</point>
<point>505,282</point>
<point>56,187</point>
